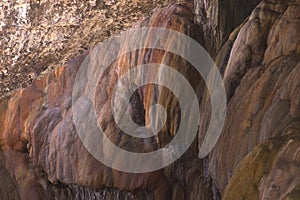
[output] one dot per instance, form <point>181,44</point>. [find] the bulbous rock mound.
<point>256,157</point>
<point>260,136</point>
<point>45,148</point>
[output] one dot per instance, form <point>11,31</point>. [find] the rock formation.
<point>262,80</point>
<point>219,18</point>
<point>36,35</point>
<point>256,157</point>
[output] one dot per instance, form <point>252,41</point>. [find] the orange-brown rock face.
<point>256,157</point>
<point>45,157</point>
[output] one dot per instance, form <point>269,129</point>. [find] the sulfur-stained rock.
<point>275,177</point>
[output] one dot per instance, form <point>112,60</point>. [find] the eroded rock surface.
<point>53,159</point>
<point>262,82</point>
<point>256,157</point>
<point>219,18</point>
<point>36,35</point>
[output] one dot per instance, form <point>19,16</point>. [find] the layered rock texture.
<point>256,157</point>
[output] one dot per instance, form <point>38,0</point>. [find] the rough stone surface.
<point>37,127</point>
<point>262,82</point>
<point>218,18</point>
<point>36,35</point>
<point>256,157</point>
<point>275,178</point>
